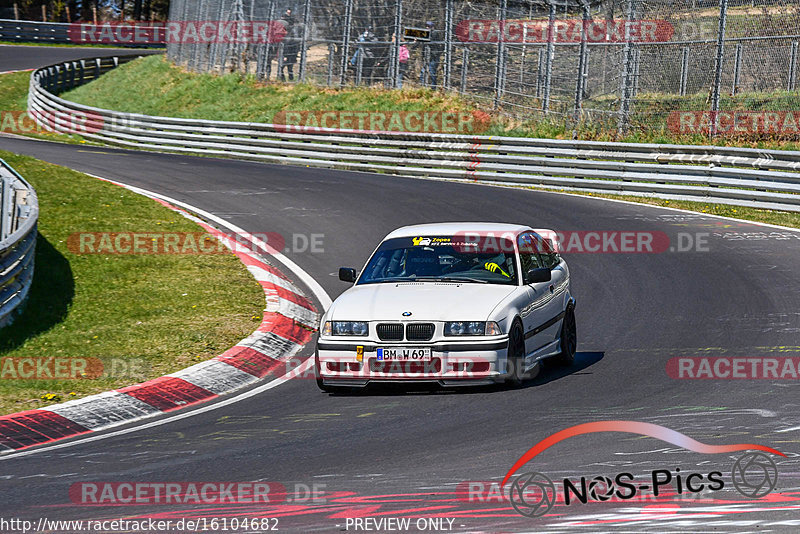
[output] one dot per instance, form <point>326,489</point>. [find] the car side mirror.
<point>535,276</point>
<point>346,274</point>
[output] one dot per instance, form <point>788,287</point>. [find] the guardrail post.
<point>549,57</point>
<point>723,19</point>
<point>82,78</point>
<point>348,22</point>
<point>737,69</point>
<point>304,39</point>
<point>464,69</point>
<point>793,67</point>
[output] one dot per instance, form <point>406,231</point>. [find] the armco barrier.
<point>19,214</point>
<point>31,31</point>
<point>742,176</point>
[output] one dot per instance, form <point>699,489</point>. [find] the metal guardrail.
<point>30,31</point>
<point>742,176</point>
<point>19,215</point>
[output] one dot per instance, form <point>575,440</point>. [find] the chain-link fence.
<point>617,63</point>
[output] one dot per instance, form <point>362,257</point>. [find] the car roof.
<point>453,228</point>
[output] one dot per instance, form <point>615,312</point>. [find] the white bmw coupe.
<point>453,303</point>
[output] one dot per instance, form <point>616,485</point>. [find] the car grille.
<point>390,332</point>
<point>418,368</point>
<point>419,331</point>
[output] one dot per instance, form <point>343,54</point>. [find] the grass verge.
<point>149,314</point>
<point>14,103</point>
<point>166,90</point>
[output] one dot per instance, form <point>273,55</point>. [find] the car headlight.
<point>471,328</point>
<point>345,328</point>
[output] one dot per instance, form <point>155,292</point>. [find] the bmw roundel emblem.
<point>406,314</point>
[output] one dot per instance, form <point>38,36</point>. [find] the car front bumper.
<point>453,363</point>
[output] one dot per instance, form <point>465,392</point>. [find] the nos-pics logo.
<point>533,494</point>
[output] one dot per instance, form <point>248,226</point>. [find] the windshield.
<point>441,258</point>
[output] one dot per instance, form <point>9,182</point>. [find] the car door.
<point>539,318</point>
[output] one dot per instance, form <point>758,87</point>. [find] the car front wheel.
<point>516,355</point>
<point>569,340</point>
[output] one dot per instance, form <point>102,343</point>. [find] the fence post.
<point>737,69</point>
<point>215,46</point>
<point>249,46</point>
<point>464,68</point>
<point>499,67</point>
<point>331,53</point>
<point>580,83</point>
<point>637,59</point>
<point>348,21</point>
<point>426,60</point>
<point>264,65</point>
<point>540,73</point>
<point>793,67</point>
<point>448,43</point>
<point>723,19</point>
<point>684,71</point>
<point>44,12</point>
<point>398,35</point>
<point>549,56</point>
<point>626,78</point>
<point>304,40</point>
<point>279,62</point>
<point>16,11</point>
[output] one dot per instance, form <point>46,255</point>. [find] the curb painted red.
<point>287,325</point>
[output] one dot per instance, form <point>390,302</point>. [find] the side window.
<point>528,256</point>
<point>548,257</point>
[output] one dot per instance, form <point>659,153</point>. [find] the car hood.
<point>427,301</point>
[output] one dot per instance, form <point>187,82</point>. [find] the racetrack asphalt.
<point>389,452</point>
<point>20,57</point>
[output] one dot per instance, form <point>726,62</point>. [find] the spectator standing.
<point>291,45</point>
<point>435,47</point>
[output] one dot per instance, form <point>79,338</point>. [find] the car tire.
<point>569,340</point>
<point>516,353</point>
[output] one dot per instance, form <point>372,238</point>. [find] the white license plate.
<point>404,354</point>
